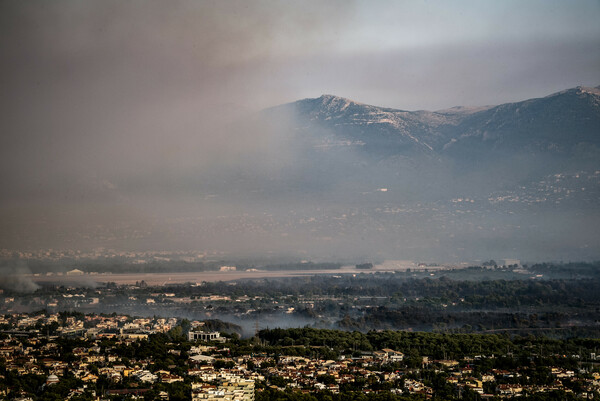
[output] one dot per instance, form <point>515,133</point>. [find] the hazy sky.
<point>99,98</point>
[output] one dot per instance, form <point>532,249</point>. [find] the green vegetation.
<point>434,345</point>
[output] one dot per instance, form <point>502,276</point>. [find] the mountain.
<point>379,130</point>
<point>563,125</point>
<point>339,179</point>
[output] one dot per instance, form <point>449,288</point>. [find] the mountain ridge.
<point>331,97</point>
<point>557,123</point>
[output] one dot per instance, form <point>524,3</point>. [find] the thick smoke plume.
<point>16,277</point>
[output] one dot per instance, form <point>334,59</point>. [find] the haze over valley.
<point>341,200</point>
<point>340,132</point>
<point>339,180</point>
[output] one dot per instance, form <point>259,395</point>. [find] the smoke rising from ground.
<point>14,277</point>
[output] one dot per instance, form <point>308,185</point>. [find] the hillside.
<point>564,124</point>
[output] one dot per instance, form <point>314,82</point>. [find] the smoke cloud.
<point>137,125</point>
<point>16,277</point>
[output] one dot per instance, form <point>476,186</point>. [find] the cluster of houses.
<point>213,372</point>
<point>463,379</point>
<point>224,387</point>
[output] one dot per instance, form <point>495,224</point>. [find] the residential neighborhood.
<point>105,357</point>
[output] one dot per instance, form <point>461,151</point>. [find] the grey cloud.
<point>126,89</point>
<point>437,77</point>
<point>121,117</point>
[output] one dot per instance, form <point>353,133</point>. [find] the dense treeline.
<point>277,395</point>
<point>480,294</point>
<point>436,318</point>
<point>436,345</point>
<point>572,269</point>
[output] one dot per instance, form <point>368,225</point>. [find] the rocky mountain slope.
<point>564,125</point>
<point>519,179</point>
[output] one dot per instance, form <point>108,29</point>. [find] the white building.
<point>203,336</point>
<point>75,272</point>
